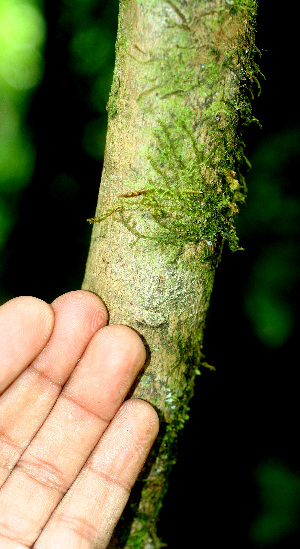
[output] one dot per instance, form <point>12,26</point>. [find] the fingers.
<point>78,315</point>
<point>28,401</point>
<point>26,324</point>
<point>90,510</point>
<point>88,402</point>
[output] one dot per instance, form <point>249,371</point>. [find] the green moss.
<point>138,540</point>
<point>198,90</point>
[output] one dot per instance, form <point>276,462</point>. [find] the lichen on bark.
<point>170,189</point>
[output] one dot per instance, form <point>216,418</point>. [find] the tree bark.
<point>170,190</point>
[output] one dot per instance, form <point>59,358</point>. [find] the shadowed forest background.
<point>239,454</point>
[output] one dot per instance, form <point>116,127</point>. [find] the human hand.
<point>70,451</point>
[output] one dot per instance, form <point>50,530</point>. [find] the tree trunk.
<point>170,187</point>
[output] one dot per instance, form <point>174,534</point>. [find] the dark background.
<point>237,479</point>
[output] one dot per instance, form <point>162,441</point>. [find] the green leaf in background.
<point>280,504</point>
<point>22,34</point>
<point>270,222</point>
<point>269,299</point>
<point>22,37</point>
<point>91,55</point>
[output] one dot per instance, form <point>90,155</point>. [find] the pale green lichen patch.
<point>197,87</point>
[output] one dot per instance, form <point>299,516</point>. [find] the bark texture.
<point>169,192</point>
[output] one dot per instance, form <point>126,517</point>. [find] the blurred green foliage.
<point>279,517</point>
<point>22,35</point>
<point>91,56</point>
<point>22,38</point>
<point>271,221</point>
<point>89,28</point>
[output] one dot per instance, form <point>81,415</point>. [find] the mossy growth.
<point>198,87</point>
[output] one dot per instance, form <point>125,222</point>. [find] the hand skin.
<point>70,448</point>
